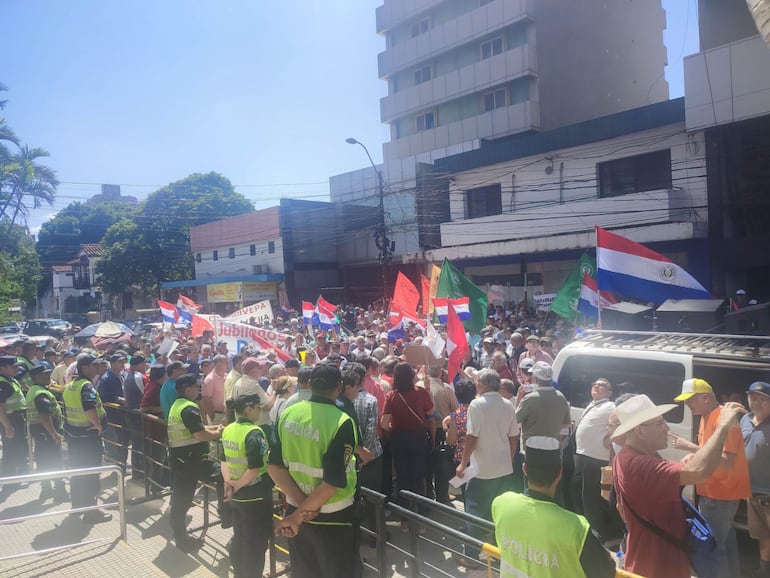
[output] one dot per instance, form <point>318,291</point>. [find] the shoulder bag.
<point>699,543</point>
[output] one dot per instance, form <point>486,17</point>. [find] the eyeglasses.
<point>601,384</point>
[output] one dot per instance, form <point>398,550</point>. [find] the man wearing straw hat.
<point>649,487</point>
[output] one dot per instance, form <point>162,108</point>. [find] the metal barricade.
<point>43,476</point>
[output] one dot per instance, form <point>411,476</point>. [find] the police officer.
<point>525,523</point>
<point>25,364</point>
<point>13,407</point>
<point>247,487</point>
<point>188,441</point>
<point>84,423</point>
<point>312,461</point>
<point>44,417</point>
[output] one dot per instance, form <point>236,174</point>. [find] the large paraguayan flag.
<point>308,309</point>
<point>633,270</point>
<point>325,312</point>
<point>591,298</point>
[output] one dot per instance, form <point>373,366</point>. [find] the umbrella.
<point>105,329</point>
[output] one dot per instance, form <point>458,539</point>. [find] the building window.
<point>425,121</point>
<point>231,253</point>
<point>271,246</point>
<point>483,201</point>
<point>252,250</point>
<point>422,75</point>
<point>491,48</point>
<point>420,27</point>
<point>216,255</point>
<point>647,172</point>
<point>495,99</point>
<point>198,257</point>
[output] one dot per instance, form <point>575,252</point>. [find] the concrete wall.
<point>724,21</point>
<point>598,57</point>
<point>536,204</point>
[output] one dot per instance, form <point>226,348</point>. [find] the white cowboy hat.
<point>636,411</point>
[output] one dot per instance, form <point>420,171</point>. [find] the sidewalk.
<point>149,551</point>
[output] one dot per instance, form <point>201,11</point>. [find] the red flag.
<point>456,342</point>
<point>199,325</point>
<point>425,282</point>
<point>406,294</point>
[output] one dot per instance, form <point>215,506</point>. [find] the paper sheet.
<point>470,472</point>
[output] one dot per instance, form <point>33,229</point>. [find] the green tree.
<point>77,224</point>
<point>21,271</point>
<point>155,246</point>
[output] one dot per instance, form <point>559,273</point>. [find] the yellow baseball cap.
<point>692,387</point>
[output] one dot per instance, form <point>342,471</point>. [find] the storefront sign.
<point>261,312</point>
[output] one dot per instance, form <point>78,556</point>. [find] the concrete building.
<point>522,210</point>
<point>462,73</point>
<point>727,96</point>
<point>111,194</point>
<point>238,260</point>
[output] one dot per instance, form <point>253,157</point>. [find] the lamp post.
<point>384,244</point>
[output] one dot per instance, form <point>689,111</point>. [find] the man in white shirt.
<point>490,443</point>
<point>590,456</point>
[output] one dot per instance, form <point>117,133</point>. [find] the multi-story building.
<point>523,209</point>
<point>464,73</point>
<point>727,95</point>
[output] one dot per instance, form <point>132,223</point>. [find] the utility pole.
<point>384,244</point>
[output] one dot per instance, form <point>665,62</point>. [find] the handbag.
<point>699,543</point>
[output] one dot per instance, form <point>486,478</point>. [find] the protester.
<point>721,493</point>
<point>756,434</point>
<point>649,487</point>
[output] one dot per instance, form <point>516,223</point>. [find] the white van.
<point>656,364</point>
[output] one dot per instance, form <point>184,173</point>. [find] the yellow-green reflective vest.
<point>16,401</point>
<point>234,445</point>
<point>32,416</point>
<point>178,434</point>
<point>306,430</point>
<point>73,404</point>
<point>26,379</point>
<point>537,539</point>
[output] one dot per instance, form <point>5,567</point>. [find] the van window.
<point>729,380</point>
<point>661,381</point>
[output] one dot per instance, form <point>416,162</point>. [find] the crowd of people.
<point>326,411</point>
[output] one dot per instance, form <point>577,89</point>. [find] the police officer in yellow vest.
<point>188,442</point>
<point>537,537</point>
<point>312,461</point>
<point>13,407</point>
<point>248,488</point>
<point>84,423</point>
<point>26,364</point>
<point>44,417</point>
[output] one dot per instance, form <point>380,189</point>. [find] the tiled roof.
<point>91,249</point>
<point>62,268</point>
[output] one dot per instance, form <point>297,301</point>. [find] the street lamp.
<point>384,244</point>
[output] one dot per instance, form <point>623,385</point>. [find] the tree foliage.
<point>154,246</point>
<point>77,224</point>
<point>20,268</point>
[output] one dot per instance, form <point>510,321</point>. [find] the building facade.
<point>522,210</point>
<point>727,96</point>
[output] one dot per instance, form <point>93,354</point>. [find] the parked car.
<point>10,328</point>
<point>55,327</point>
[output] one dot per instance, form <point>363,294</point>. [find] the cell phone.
<point>529,388</point>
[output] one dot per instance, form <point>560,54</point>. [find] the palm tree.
<point>24,184</point>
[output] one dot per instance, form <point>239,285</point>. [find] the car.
<point>55,327</point>
<point>10,328</point>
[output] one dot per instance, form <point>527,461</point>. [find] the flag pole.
<point>598,291</point>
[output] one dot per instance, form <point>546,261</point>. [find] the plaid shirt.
<point>366,410</point>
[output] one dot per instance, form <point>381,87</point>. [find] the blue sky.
<point>143,93</point>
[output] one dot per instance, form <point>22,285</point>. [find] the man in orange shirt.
<point>721,493</point>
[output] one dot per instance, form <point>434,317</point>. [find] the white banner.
<point>544,301</point>
<point>261,312</point>
<point>239,335</point>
